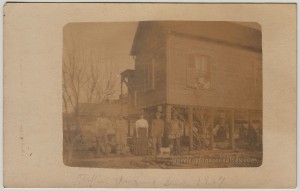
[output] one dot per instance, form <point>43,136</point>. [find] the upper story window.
<point>198,71</point>
<point>149,78</point>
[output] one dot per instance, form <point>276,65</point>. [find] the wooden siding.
<point>231,74</point>
<point>151,45</point>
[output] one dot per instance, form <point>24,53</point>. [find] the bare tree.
<point>86,79</point>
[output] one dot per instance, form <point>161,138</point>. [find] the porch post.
<point>128,129</point>
<point>212,121</point>
<point>190,121</point>
<point>121,86</point>
<point>167,120</point>
<point>232,129</point>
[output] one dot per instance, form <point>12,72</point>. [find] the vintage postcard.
<point>162,94</point>
<point>137,96</point>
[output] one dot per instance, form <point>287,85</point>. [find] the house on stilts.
<point>203,71</point>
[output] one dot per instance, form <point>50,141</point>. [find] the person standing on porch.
<point>157,132</point>
<point>175,128</point>
<point>141,135</point>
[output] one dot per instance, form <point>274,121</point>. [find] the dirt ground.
<point>192,159</point>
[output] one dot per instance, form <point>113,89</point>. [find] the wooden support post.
<point>121,86</point>
<point>128,130</point>
<point>190,121</point>
<point>232,129</point>
<point>167,120</point>
<point>134,98</point>
<point>212,121</point>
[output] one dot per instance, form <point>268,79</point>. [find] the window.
<point>198,71</point>
<point>149,75</point>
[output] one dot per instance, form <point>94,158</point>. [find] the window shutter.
<point>146,72</point>
<point>204,65</point>
<point>191,71</point>
<point>149,75</point>
<point>135,98</point>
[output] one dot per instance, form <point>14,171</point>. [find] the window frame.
<point>149,78</point>
<point>195,85</point>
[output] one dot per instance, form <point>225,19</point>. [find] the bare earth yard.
<point>193,159</point>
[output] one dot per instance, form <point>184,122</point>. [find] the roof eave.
<point>134,44</point>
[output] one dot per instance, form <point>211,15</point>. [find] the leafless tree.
<point>86,79</point>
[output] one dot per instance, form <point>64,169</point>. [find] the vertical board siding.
<point>231,75</point>
<point>152,44</point>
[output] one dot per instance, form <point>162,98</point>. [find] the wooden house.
<point>202,70</point>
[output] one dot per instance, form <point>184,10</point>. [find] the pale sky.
<point>110,41</point>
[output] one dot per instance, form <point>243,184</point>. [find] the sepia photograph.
<point>149,95</point>
<point>162,94</point>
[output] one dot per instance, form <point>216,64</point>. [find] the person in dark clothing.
<point>253,136</point>
<point>157,132</point>
<point>175,129</point>
<point>220,131</point>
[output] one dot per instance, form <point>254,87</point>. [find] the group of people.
<point>150,136</point>
<point>250,134</point>
<point>107,127</point>
<point>113,134</point>
<point>171,132</point>
<point>221,131</point>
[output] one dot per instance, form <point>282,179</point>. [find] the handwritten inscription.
<point>92,180</point>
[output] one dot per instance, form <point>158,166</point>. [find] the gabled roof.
<point>218,31</point>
